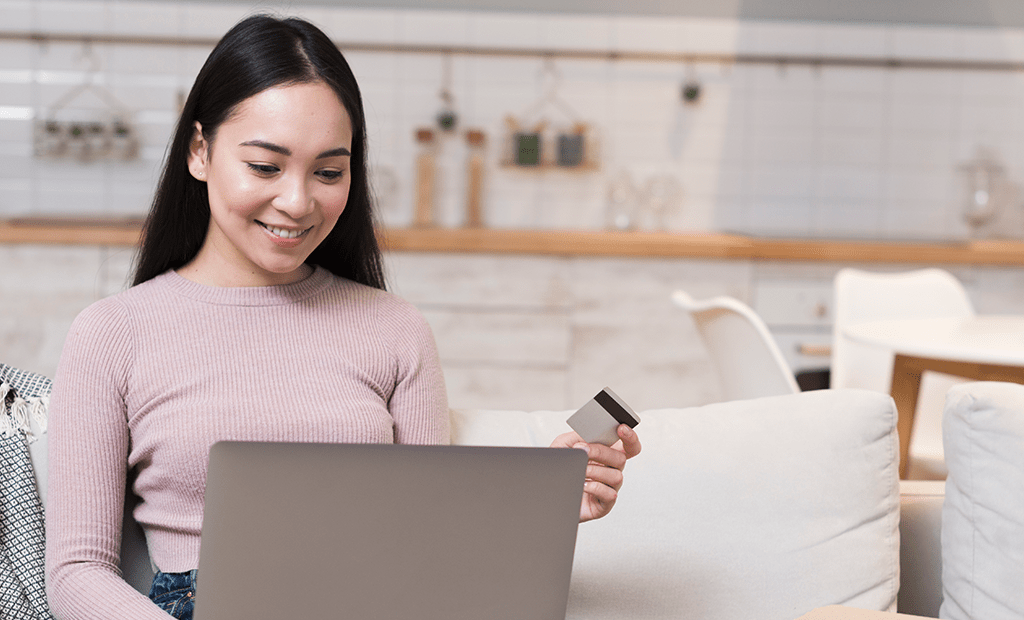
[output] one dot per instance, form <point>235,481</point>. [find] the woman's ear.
<point>198,153</point>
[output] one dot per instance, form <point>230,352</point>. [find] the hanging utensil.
<point>447,118</point>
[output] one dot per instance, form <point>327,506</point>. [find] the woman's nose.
<point>295,199</point>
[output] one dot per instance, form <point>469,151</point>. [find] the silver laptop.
<point>387,531</point>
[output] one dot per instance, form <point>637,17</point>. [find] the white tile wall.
<point>767,150</point>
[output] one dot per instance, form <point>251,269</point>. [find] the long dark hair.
<point>260,52</point>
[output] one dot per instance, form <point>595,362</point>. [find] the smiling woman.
<point>246,81</point>
<point>277,182</point>
<point>258,313</point>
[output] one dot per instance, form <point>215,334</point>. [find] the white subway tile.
<point>782,217</point>
<point>18,15</point>
<point>353,25</point>
<point>711,36</point>
<point>146,63</point>
<point>919,150</point>
<point>16,59</point>
<point>780,148</point>
<point>731,215</point>
<point>790,181</point>
<point>848,219</point>
<point>851,147</point>
<point>61,16</point>
<point>928,118</point>
<point>992,88</point>
<point>1011,44</point>
<point>852,113</point>
<point>649,34</point>
<point>851,40</point>
<point>784,80</point>
<point>928,42</point>
<point>13,97</point>
<point>920,221</point>
<point>86,196</point>
<point>924,85</point>
<point>771,115</point>
<point>212,20</point>
<point>583,32</point>
<point>701,181</point>
<point>125,199</point>
<point>856,184</point>
<point>787,39</point>
<point>16,163</point>
<point>17,130</point>
<point>858,81</point>
<point>995,45</point>
<point>135,18</point>
<point>443,28</point>
<point>374,69</point>
<point>694,214</point>
<point>507,30</point>
<point>16,197</point>
<point>993,119</point>
<point>734,182</point>
<point>922,184</point>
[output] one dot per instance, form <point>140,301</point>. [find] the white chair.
<point>748,361</point>
<point>863,296</point>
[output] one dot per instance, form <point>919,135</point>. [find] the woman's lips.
<point>284,233</point>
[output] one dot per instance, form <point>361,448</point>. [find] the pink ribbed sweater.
<point>149,379</point>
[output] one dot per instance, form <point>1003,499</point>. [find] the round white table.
<point>983,348</point>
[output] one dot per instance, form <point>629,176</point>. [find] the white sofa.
<point>765,508</point>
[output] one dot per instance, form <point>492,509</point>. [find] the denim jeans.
<point>175,593</point>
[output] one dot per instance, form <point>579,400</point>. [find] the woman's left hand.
<point>604,471</point>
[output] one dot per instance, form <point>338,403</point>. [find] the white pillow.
<point>763,509</point>
<point>983,514</point>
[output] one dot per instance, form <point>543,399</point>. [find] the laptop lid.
<point>393,532</point>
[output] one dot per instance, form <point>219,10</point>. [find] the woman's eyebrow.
<point>277,148</point>
<point>270,146</point>
<point>340,151</point>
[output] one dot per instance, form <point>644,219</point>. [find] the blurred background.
<point>898,124</point>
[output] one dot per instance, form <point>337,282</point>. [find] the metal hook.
<point>550,73</point>
<point>89,83</point>
<point>446,78</point>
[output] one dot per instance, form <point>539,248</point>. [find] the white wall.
<point>796,150</point>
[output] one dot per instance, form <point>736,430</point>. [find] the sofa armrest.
<point>920,549</point>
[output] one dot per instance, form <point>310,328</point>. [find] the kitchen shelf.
<point>126,232</point>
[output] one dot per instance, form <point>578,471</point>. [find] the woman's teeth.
<point>284,233</point>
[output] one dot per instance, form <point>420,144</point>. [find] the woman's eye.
<point>330,175</point>
<point>265,169</point>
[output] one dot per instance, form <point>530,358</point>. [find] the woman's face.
<point>278,175</point>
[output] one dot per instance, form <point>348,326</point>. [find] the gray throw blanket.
<point>22,539</point>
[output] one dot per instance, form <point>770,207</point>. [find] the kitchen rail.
<point>126,232</point>
<point>782,60</point>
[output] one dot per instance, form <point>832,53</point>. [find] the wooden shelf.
<point>126,232</point>
<point>699,245</point>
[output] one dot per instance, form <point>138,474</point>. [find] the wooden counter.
<point>580,243</point>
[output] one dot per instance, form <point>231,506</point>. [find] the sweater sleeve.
<point>88,444</point>
<point>419,402</point>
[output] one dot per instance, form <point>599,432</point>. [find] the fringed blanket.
<point>22,539</point>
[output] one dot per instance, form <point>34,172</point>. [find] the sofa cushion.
<point>983,515</point>
<point>765,508</point>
